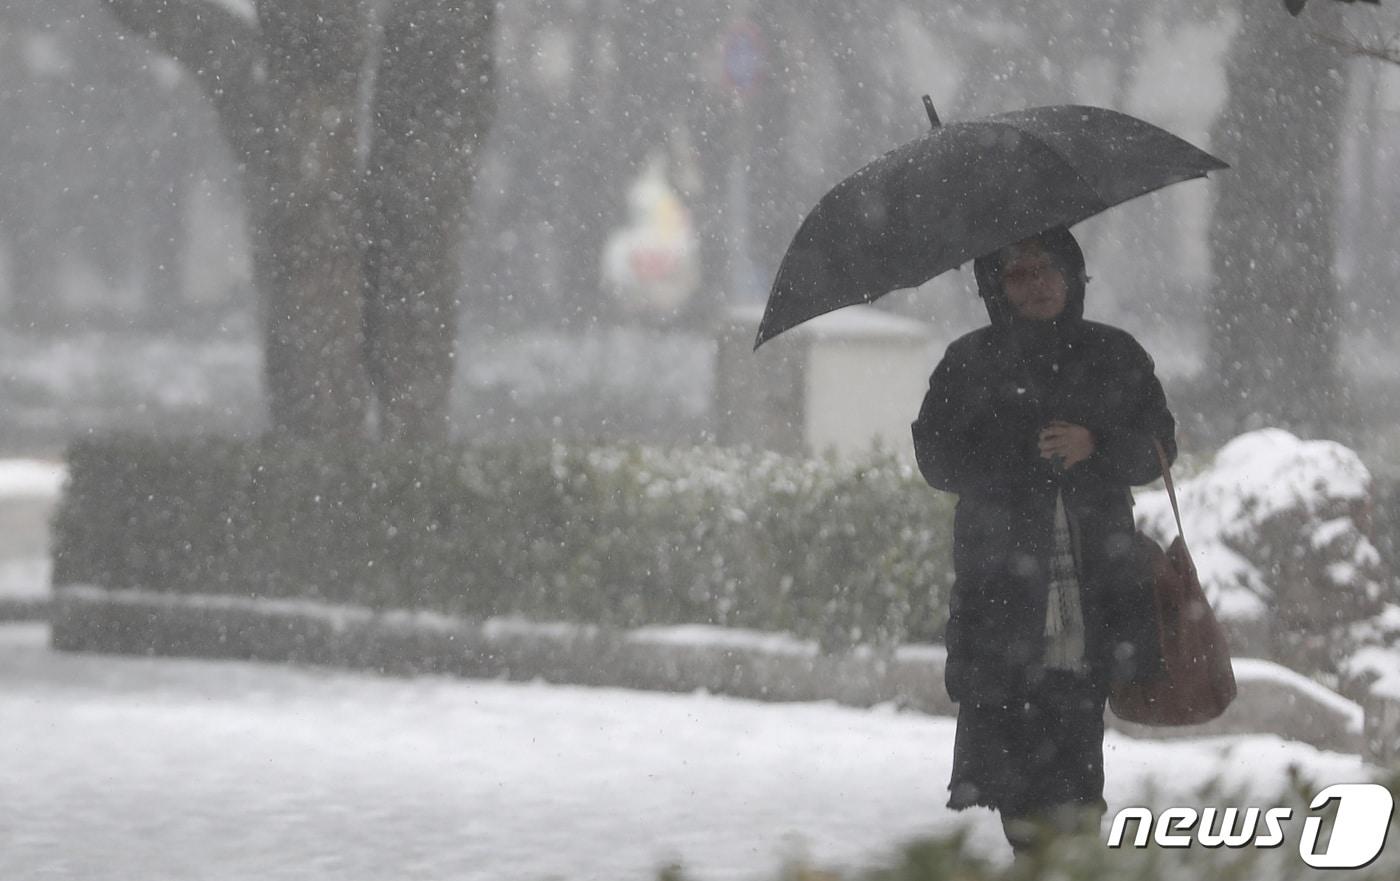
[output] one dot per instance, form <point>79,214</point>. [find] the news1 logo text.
<point>1358,830</point>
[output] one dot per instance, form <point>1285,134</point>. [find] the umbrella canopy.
<point>963,190</point>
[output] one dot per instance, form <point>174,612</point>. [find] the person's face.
<point>1034,285</point>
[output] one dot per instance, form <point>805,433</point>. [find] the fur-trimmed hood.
<point>1065,250</point>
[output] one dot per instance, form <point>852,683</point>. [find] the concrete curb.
<point>687,658</point>
<point>680,659</point>
<point>17,609</point>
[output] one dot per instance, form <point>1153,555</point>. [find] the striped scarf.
<point>1064,618</point>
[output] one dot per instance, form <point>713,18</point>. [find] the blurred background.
<point>645,167</point>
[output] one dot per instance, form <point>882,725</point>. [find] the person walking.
<point>1040,422</point>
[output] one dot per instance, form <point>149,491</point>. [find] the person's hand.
<point>1071,443</point>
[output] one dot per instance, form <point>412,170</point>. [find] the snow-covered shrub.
<point>1373,667</point>
<point>1278,530</point>
<point>1376,664</point>
<point>842,552</point>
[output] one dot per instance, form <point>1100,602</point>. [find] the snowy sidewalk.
<point>116,768</point>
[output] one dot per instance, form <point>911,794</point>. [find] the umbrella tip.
<point>932,114</point>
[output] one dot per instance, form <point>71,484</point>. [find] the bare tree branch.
<point>1389,51</point>
<point>223,51</point>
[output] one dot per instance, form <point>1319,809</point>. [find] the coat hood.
<point>1063,247</point>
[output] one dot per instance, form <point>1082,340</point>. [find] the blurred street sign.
<point>744,55</point>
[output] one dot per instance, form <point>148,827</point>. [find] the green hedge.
<point>620,536</point>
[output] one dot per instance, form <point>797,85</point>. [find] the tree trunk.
<point>431,110</point>
<point>315,379</point>
<point>166,191</point>
<point>286,92</point>
<point>1274,324</point>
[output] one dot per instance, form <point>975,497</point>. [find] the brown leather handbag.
<point>1199,682</point>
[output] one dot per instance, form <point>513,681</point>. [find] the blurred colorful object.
<point>651,265</point>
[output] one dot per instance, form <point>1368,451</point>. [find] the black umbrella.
<point>963,190</point>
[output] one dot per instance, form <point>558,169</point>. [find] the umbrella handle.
<point>932,114</point>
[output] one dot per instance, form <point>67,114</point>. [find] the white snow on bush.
<point>1259,670</point>
<point>1257,480</point>
<point>1381,662</point>
<point>1377,661</point>
<point>244,9</point>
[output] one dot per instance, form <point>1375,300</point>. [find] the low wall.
<point>23,609</point>
<point>685,658</point>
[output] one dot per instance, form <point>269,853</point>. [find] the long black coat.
<point>976,435</point>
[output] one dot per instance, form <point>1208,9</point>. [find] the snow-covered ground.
<point>117,768</point>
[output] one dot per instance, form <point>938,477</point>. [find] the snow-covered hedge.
<point>1280,530</point>
<point>622,536</point>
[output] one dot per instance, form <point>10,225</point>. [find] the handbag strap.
<point>1171,490</point>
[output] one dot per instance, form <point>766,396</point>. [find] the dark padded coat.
<point>976,435</point>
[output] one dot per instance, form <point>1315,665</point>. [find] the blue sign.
<point>744,56</point>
